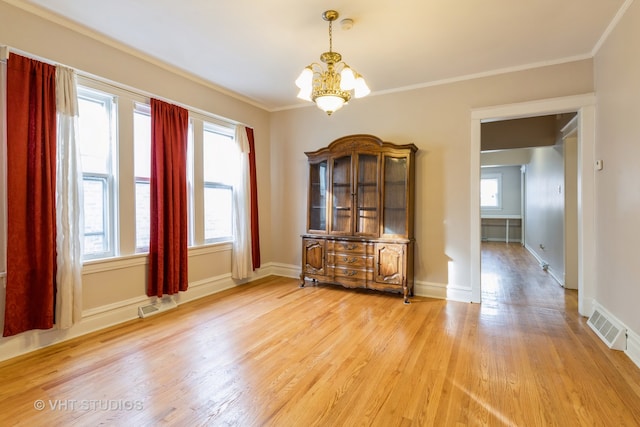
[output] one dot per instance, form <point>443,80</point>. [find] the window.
<point>142,173</point>
<point>220,164</point>
<point>491,191</point>
<point>118,217</point>
<point>96,134</point>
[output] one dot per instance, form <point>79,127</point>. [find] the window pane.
<point>142,142</point>
<point>143,209</point>
<point>95,241</point>
<point>217,212</point>
<point>220,156</point>
<point>94,128</point>
<point>489,192</point>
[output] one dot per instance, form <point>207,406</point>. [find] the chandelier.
<point>330,89</point>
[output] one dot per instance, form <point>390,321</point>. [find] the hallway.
<point>511,276</point>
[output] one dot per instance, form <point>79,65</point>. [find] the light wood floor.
<point>270,353</point>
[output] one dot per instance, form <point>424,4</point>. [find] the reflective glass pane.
<point>395,195</point>
<point>218,212</point>
<point>142,143</point>
<point>94,129</point>
<point>94,216</point>
<point>318,197</point>
<point>143,209</point>
<point>220,157</point>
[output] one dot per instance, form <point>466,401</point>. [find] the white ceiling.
<point>256,49</point>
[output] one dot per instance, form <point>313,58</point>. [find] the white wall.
<point>544,208</point>
<point>617,83</point>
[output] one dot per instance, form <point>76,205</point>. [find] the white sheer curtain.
<point>70,224</point>
<point>241,256</point>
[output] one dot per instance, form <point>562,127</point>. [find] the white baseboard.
<point>442,291</point>
<point>457,293</point>
<point>633,347</point>
<point>556,277</point>
<point>285,270</point>
<point>430,290</point>
<point>550,270</point>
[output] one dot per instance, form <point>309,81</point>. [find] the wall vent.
<point>164,304</point>
<point>608,329</point>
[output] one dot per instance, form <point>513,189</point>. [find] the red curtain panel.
<point>168,238</point>
<point>255,231</point>
<point>31,177</point>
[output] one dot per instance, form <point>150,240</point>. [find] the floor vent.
<point>608,329</point>
<point>158,306</point>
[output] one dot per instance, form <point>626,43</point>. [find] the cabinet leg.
<point>406,296</point>
<point>302,282</point>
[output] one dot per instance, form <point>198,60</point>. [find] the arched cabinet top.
<point>360,142</point>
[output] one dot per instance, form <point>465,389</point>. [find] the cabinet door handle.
<point>351,273</point>
<point>350,260</point>
<point>349,247</point>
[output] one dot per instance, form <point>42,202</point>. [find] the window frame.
<point>110,199</point>
<point>493,176</point>
<point>229,132</point>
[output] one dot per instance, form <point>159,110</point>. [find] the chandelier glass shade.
<point>334,86</point>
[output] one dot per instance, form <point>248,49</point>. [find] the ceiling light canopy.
<point>330,89</point>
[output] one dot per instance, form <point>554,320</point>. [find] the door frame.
<point>584,105</point>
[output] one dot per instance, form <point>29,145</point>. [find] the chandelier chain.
<point>330,36</point>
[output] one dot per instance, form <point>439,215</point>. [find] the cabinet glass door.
<point>341,210</point>
<point>368,197</point>
<point>318,197</point>
<point>395,196</point>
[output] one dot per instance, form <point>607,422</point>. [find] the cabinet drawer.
<point>349,260</point>
<point>353,273</point>
<point>347,247</point>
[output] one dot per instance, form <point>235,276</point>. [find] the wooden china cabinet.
<point>360,215</point>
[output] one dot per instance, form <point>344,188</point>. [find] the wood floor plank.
<point>270,353</point>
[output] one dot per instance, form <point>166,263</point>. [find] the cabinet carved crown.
<point>360,215</point>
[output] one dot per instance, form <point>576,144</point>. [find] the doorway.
<point>585,107</point>
<point>539,155</point>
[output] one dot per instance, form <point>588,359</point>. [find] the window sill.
<point>138,259</point>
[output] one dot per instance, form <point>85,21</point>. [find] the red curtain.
<point>255,231</point>
<point>31,178</point>
<point>168,239</point>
